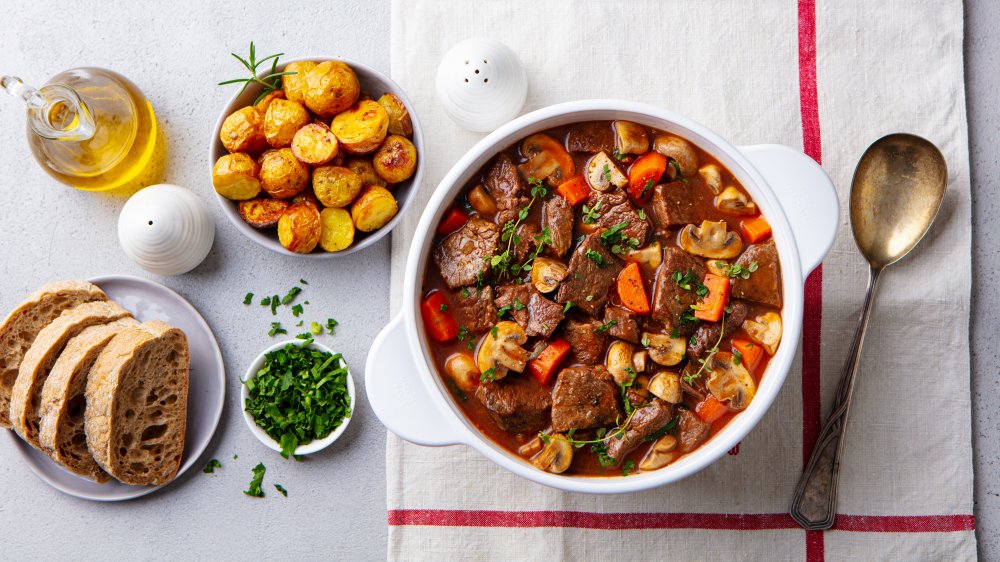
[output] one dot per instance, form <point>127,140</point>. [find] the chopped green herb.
<point>589,298</point>
<point>677,170</point>
<point>211,466</point>
<point>489,375</point>
<point>274,305</point>
<point>281,489</point>
<point>569,305</point>
<point>675,333</point>
<point>266,301</point>
<point>590,214</point>
<point>737,357</point>
<point>444,308</point>
<point>642,213</point>
<point>646,188</point>
<point>618,155</point>
<point>292,293</point>
<point>296,310</point>
<point>503,310</point>
<point>737,270</point>
<point>518,305</point>
<point>331,324</point>
<point>276,329</point>
<point>645,340</point>
<point>603,328</point>
<point>628,467</point>
<point>466,293</point>
<point>235,457</point>
<point>596,257</point>
<point>248,299</point>
<point>663,430</point>
<point>607,173</point>
<point>316,328</point>
<point>255,482</point>
<point>463,332</point>
<point>303,281</point>
<point>494,331</point>
<point>544,437</point>
<point>305,336</point>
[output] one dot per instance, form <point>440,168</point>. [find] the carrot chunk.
<point>750,353</point>
<point>644,174</point>
<point>632,290</point>
<point>453,220</point>
<point>710,409</point>
<point>543,367</point>
<point>574,190</point>
<point>710,307</point>
<point>755,230</point>
<point>440,324</point>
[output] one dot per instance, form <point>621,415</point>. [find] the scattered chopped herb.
<point>305,336</point>
<point>677,170</point>
<point>444,307</point>
<point>646,188</point>
<point>316,328</point>
<point>737,270</point>
<point>503,310</point>
<point>303,281</point>
<point>494,331</point>
<point>544,437</point>
<point>281,489</point>
<point>489,375</point>
<point>628,467</point>
<point>607,173</point>
<point>248,299</point>
<point>590,214</point>
<point>266,301</point>
<point>663,430</point>
<point>255,482</point>
<point>692,341</point>
<point>501,263</point>
<point>235,457</point>
<point>274,305</point>
<point>276,329</point>
<point>211,466</point>
<point>596,257</point>
<point>645,340</point>
<point>687,317</point>
<point>603,328</point>
<point>618,155</point>
<point>675,333</point>
<point>568,305</point>
<point>466,293</point>
<point>296,310</point>
<point>518,305</point>
<point>292,293</point>
<point>642,213</point>
<point>299,323</point>
<point>589,298</point>
<point>331,325</point>
<point>463,332</point>
<point>615,238</point>
<point>737,357</point>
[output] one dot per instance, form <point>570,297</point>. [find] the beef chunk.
<point>587,344</point>
<point>646,421</point>
<point>515,296</point>
<point>461,256</point>
<point>508,209</point>
<point>543,315</point>
<point>626,326</point>
<point>708,332</point>
<point>614,209</point>
<point>593,136</point>
<point>516,403</point>
<point>557,216</point>
<point>526,233</point>
<point>587,283</point>
<point>475,311</point>
<point>693,431</point>
<point>670,301</point>
<point>764,285</point>
<point>673,205</point>
<point>506,187</point>
<point>584,398</point>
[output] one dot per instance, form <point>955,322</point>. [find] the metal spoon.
<point>897,190</point>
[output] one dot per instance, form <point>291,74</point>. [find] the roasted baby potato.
<point>306,198</point>
<point>330,87</point>
<point>364,169</point>
<point>399,117</point>
<point>235,176</point>
<point>338,230</point>
<point>294,85</point>
<point>336,186</point>
<point>396,159</point>
<point>315,144</point>
<point>243,131</point>
<point>281,174</point>
<point>284,118</point>
<point>299,228</point>
<point>373,209</point>
<point>265,102</point>
<point>361,128</point>
<point>262,212</point>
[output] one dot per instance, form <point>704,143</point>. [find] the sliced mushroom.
<point>530,448</point>
<point>734,202</point>
<point>679,150</point>
<point>462,369</point>
<point>665,350</point>
<point>716,267</point>
<point>639,360</point>
<point>640,387</point>
<point>666,386</point>
<point>547,159</point>
<point>546,274</point>
<point>650,255</point>
<point>765,330</point>
<point>619,361</point>
<point>729,382</point>
<point>711,240</point>
<point>603,173</point>
<point>712,176</point>
<point>660,454</point>
<point>555,456</point>
<point>481,201</point>
<point>501,350</point>
<point>630,138</point>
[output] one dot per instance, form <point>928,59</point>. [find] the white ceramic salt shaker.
<point>166,229</point>
<point>481,84</point>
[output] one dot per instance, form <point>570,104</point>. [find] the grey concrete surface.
<point>336,506</point>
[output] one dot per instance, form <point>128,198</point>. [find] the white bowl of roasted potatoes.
<point>323,166</point>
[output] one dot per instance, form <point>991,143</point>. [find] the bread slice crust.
<point>136,412</point>
<point>22,325</point>
<point>26,396</point>
<point>61,428</point>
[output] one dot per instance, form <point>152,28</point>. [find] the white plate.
<point>147,300</point>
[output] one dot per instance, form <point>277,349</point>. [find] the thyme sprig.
<point>270,82</point>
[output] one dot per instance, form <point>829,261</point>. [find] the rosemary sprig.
<point>270,82</point>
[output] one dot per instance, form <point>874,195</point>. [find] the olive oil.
<point>96,130</point>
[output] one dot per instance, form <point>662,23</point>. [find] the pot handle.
<point>397,395</point>
<point>806,194</point>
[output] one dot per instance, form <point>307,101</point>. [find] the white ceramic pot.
<point>793,192</point>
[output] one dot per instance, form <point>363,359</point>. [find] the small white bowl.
<point>305,448</point>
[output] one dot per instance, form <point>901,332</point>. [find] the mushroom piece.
<point>619,361</point>
<point>717,267</point>
<point>555,456</point>
<point>732,201</point>
<point>666,386</point>
<point>712,176</point>
<point>603,173</point>
<point>660,454</point>
<point>680,151</point>
<point>547,159</point>
<point>547,273</point>
<point>481,201</point>
<point>630,138</point>
<point>462,369</point>
<point>639,360</point>
<point>663,349</point>
<point>730,382</point>
<point>531,448</point>
<point>711,240</point>
<point>650,255</point>
<point>501,350</point>
<point>765,330</point>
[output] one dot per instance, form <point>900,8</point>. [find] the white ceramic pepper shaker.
<point>481,84</point>
<point>166,229</point>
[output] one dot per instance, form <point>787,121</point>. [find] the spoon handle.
<point>814,505</point>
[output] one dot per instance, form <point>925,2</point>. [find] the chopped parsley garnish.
<point>645,340</point>
<point>503,310</point>
<point>466,293</point>
<point>737,270</point>
<point>303,281</point>
<point>299,395</point>
<point>596,257</point>
<point>494,331</point>
<point>248,299</point>
<point>443,308</point>
<point>615,238</point>
<point>518,305</point>
<point>331,324</point>
<point>266,301</point>
<point>628,467</point>
<point>274,305</point>
<point>603,328</point>
<point>292,293</point>
<point>646,188</point>
<point>489,375</point>
<point>618,155</point>
<point>567,306</point>
<point>281,489</point>
<point>296,310</point>
<point>316,328</point>
<point>607,173</point>
<point>675,333</point>
<point>590,214</point>
<point>642,213</point>
<point>276,329</point>
<point>255,482</point>
<point>737,357</point>
<point>211,466</point>
<point>307,337</point>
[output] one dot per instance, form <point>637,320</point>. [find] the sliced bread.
<point>137,404</point>
<point>61,432</point>
<point>26,396</point>
<point>21,326</point>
